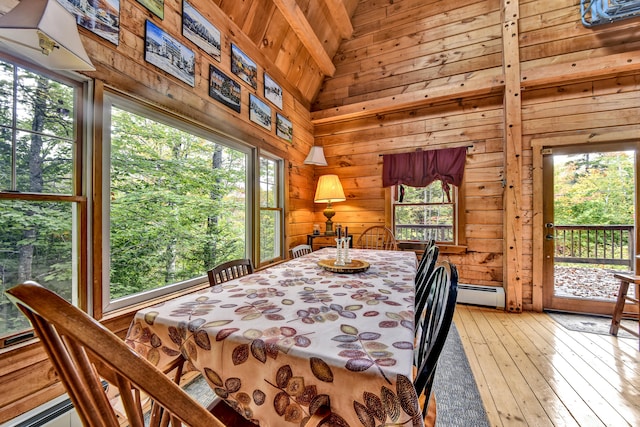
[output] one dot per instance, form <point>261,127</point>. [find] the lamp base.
<point>329,213</point>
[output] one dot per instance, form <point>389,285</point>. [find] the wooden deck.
<point>532,371</point>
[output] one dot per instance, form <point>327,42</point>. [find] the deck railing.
<point>595,244</point>
<point>439,233</point>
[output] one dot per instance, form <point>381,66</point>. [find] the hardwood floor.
<point>530,370</point>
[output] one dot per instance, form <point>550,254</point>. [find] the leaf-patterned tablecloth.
<point>279,344</point>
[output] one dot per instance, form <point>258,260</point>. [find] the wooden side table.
<point>319,241</point>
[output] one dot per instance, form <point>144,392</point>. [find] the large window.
<point>270,210</point>
<point>40,188</point>
<point>423,214</point>
<point>178,203</point>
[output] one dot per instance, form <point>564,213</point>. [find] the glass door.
<point>589,225</point>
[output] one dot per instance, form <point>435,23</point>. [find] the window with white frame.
<point>41,197</point>
<point>178,202</point>
<point>426,213</point>
<point>271,211</point>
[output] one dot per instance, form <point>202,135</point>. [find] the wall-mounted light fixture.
<point>329,190</point>
<point>43,32</point>
<point>316,157</point>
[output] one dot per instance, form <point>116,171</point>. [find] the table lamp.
<point>329,190</point>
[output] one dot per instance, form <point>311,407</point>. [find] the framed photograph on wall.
<point>244,67</point>
<point>154,6</point>
<point>167,53</point>
<point>224,89</point>
<point>259,112</point>
<point>283,127</point>
<point>272,91</point>
<point>104,21</point>
<point>200,31</point>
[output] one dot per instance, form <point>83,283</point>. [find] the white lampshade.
<point>329,190</point>
<point>316,157</point>
<point>45,33</point>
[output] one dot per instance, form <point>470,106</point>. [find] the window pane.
<point>269,234</point>
<point>6,124</point>
<point>42,137</point>
<point>431,194</point>
<point>36,243</point>
<point>44,164</point>
<point>178,204</point>
<point>424,222</point>
<point>268,185</point>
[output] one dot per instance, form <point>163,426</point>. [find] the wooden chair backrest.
<point>230,270</point>
<point>435,323</point>
<point>425,270</point>
<point>300,250</point>
<point>84,353</point>
<point>377,237</point>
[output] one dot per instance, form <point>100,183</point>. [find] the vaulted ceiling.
<point>299,37</point>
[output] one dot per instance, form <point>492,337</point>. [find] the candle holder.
<point>340,259</point>
<point>345,249</point>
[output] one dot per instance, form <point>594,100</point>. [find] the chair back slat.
<point>230,270</point>
<point>84,353</point>
<point>377,237</point>
<point>425,270</point>
<point>298,251</point>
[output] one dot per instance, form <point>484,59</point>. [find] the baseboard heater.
<point>490,296</point>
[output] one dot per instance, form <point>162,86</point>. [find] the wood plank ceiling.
<point>299,37</point>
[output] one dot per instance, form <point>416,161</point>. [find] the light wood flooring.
<point>530,370</point>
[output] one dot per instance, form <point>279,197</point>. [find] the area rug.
<point>458,399</point>
<point>590,324</point>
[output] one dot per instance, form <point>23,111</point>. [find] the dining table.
<point>299,338</point>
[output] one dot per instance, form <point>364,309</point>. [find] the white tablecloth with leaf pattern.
<point>281,343</point>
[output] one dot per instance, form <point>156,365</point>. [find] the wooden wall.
<point>495,74</point>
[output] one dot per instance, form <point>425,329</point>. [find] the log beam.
<point>513,259</point>
<point>298,22</point>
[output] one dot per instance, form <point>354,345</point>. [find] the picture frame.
<point>201,32</point>
<point>168,54</point>
<point>284,129</point>
<point>154,6</point>
<point>224,89</point>
<point>272,91</point>
<point>104,22</point>
<point>244,67</point>
<point>259,112</point>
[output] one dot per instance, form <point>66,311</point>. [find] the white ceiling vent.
<point>598,12</point>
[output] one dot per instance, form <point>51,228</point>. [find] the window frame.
<point>459,239</point>
<point>279,179</point>
<point>79,197</point>
<point>145,109</point>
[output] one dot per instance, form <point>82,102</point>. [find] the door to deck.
<point>589,214</point>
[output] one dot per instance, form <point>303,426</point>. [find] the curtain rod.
<point>420,149</point>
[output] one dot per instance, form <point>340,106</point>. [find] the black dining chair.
<point>434,326</point>
<point>425,270</point>
<point>230,270</point>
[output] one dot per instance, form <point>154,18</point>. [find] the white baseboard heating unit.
<point>490,296</point>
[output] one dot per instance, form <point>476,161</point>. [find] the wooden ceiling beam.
<point>295,17</point>
<point>470,87</point>
<point>341,17</point>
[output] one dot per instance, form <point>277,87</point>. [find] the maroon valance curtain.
<point>421,168</point>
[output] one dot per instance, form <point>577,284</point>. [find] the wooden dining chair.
<point>85,354</point>
<point>300,250</point>
<point>377,237</point>
<point>425,270</point>
<point>434,327</point>
<point>230,270</point>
